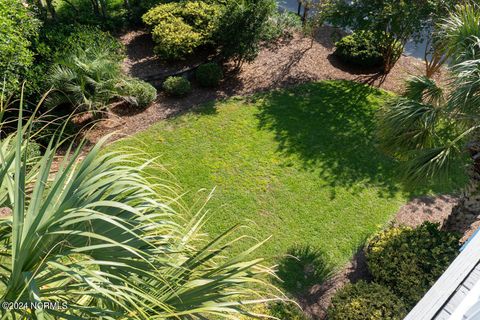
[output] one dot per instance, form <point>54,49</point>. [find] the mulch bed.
<point>296,60</point>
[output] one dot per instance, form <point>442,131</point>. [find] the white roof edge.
<point>434,300</point>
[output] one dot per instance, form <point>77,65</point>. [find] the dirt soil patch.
<point>299,59</point>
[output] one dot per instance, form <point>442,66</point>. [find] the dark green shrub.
<point>138,93</point>
<point>361,48</point>
<point>178,28</point>
<point>18,29</point>
<point>302,268</point>
<point>241,29</point>
<point>409,261</point>
<point>59,41</point>
<point>209,74</point>
<point>366,301</point>
<point>177,86</point>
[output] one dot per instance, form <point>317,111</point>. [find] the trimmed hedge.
<point>178,28</point>
<point>361,48</point>
<point>366,301</point>
<point>177,86</point>
<point>409,261</point>
<point>209,74</point>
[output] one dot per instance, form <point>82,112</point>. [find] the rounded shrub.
<point>139,93</point>
<point>178,28</point>
<point>409,261</point>
<point>366,301</point>
<point>177,86</point>
<point>361,48</point>
<point>209,74</point>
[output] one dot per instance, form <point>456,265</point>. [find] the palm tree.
<point>104,240</point>
<point>431,128</point>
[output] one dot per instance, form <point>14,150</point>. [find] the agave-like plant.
<point>102,239</point>
<point>433,128</point>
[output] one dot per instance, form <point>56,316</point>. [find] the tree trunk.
<point>103,6</point>
<point>51,9</point>
<point>95,7</point>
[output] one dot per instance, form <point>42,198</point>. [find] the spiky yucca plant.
<point>433,128</point>
<point>105,240</point>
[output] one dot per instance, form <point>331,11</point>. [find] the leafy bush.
<point>19,28</point>
<point>361,48</point>
<point>59,41</point>
<point>178,28</point>
<point>409,261</point>
<point>302,268</point>
<point>85,81</point>
<point>281,25</point>
<point>366,301</point>
<point>241,28</point>
<point>138,93</point>
<point>177,86</point>
<point>209,74</point>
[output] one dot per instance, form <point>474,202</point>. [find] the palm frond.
<point>406,124</point>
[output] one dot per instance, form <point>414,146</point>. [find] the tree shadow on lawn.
<point>330,127</point>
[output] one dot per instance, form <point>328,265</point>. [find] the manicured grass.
<point>299,164</point>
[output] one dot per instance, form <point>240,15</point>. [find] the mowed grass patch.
<point>299,165</point>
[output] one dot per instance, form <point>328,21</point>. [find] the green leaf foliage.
<point>242,27</point>
<point>137,92</point>
<point>366,301</point>
<point>209,74</point>
<point>361,48</point>
<point>177,86</point>
<point>18,29</point>
<point>409,261</point>
<point>178,28</point>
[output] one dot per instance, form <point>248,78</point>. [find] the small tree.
<point>240,29</point>
<point>399,20</point>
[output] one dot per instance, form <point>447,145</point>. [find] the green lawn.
<point>298,164</point>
